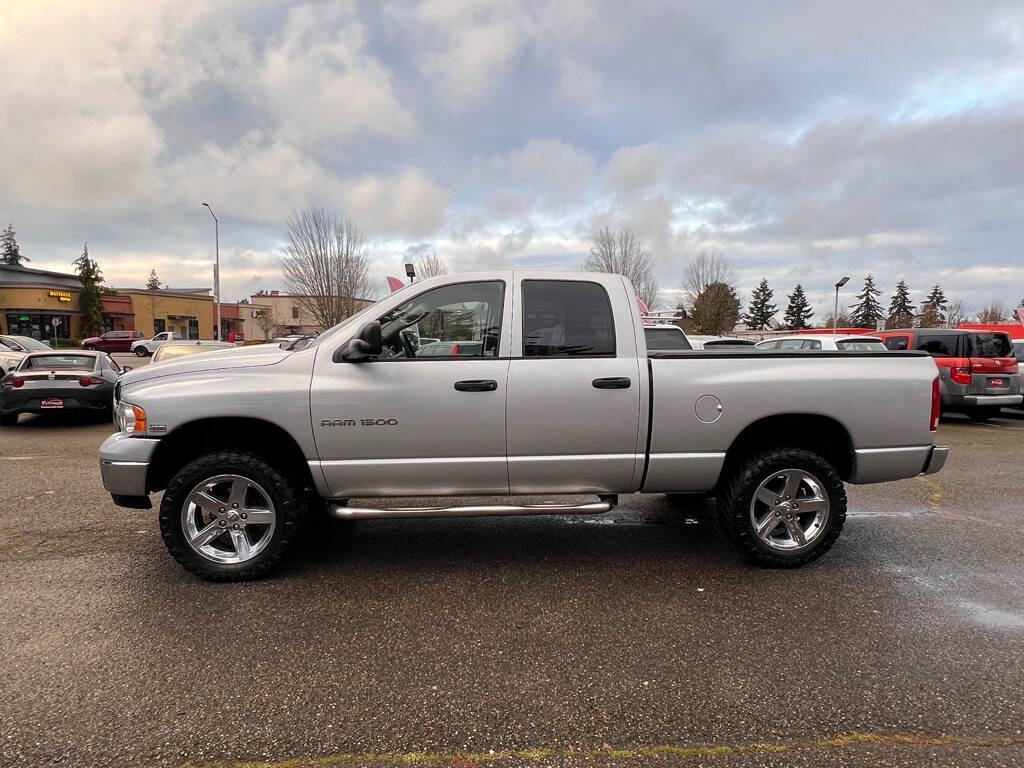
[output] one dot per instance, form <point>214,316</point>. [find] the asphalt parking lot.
<point>638,638</point>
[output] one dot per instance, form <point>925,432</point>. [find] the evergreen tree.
<point>90,303</point>
<point>761,311</point>
<point>799,312</point>
<point>716,310</point>
<point>153,284</point>
<point>10,254</point>
<point>933,309</point>
<point>867,311</point>
<point>901,311</point>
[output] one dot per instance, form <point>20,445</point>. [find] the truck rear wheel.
<point>230,515</point>
<point>783,507</point>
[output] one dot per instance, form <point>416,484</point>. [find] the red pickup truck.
<point>978,373</point>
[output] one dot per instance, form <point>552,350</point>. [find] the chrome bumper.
<point>936,459</point>
<point>124,464</point>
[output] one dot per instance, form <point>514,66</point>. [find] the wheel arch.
<point>257,436</point>
<point>811,431</point>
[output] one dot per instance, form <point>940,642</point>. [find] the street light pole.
<point>835,312</point>
<point>216,268</point>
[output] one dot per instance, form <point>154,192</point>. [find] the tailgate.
<point>994,376</point>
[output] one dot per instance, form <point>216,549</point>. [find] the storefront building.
<point>189,311</point>
<point>45,305</point>
<point>37,303</point>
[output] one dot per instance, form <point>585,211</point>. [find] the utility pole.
<point>216,268</point>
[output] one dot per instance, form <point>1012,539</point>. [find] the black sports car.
<point>54,381</point>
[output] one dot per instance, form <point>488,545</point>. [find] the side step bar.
<point>342,512</point>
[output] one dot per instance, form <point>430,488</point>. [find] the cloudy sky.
<point>804,140</point>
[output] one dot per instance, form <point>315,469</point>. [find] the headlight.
<point>131,419</point>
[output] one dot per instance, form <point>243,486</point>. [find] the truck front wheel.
<point>783,507</point>
<point>230,515</point>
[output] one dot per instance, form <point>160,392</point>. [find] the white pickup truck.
<point>559,395</point>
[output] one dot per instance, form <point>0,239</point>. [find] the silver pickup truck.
<point>558,395</point>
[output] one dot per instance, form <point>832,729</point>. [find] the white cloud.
<point>408,203</point>
<point>321,83</point>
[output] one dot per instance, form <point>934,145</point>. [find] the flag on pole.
<point>395,284</point>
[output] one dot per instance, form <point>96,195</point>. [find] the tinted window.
<point>465,317</point>
<point>665,339</point>
<point>768,345</point>
<point>566,317</point>
<point>938,346</point>
<point>812,344</point>
<point>1018,351</point>
<point>897,342</point>
<point>988,345</point>
<point>863,346</point>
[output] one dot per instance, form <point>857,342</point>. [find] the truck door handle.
<point>612,382</point>
<point>476,385</point>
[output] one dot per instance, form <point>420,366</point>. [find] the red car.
<point>112,341</point>
<point>978,373</point>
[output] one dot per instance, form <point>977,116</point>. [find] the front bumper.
<point>124,464</point>
<point>936,459</point>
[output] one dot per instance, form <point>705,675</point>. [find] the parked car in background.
<point>849,343</point>
<point>112,341</point>
<point>14,348</point>
<point>58,381</point>
<point>171,350</point>
<point>666,338</point>
<point>562,397</point>
<point>710,342</point>
<point>146,347</point>
<point>450,348</point>
<point>977,370</point>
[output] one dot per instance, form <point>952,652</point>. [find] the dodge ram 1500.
<point>547,387</point>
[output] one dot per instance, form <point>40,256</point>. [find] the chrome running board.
<point>342,512</point>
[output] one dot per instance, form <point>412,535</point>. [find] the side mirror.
<point>365,344</point>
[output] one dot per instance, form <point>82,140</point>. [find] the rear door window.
<point>897,343</point>
<point>938,345</point>
<point>812,344</point>
<point>566,318</point>
<point>984,344</point>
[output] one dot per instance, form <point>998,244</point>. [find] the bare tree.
<point>993,312</point>
<point>705,269</point>
<point>956,313</point>
<point>619,252</point>
<point>430,265</point>
<point>266,319</point>
<point>325,265</point>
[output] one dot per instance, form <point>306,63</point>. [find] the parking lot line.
<point>911,740</point>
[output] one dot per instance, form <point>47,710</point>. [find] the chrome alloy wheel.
<point>789,509</point>
<point>228,519</point>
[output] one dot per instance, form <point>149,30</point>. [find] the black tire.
<point>8,419</point>
<point>287,498</point>
<point>734,505</point>
<point>984,413</point>
<point>141,352</point>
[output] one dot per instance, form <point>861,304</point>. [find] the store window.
<point>193,328</point>
<point>39,326</point>
<point>159,325</point>
<point>295,313</point>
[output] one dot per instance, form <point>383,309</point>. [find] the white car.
<point>146,347</point>
<point>14,348</point>
<point>842,342</point>
<point>712,342</point>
